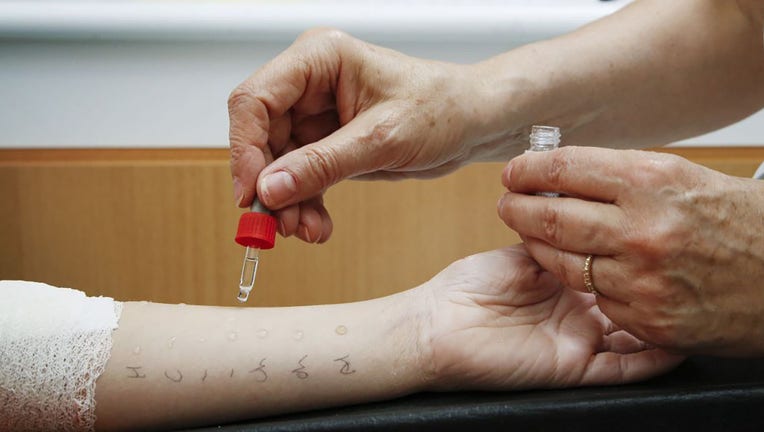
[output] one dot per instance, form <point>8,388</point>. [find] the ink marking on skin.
<point>300,372</point>
<point>231,374</point>
<point>204,377</point>
<point>177,379</point>
<point>341,330</point>
<point>345,370</point>
<point>135,371</point>
<point>261,369</point>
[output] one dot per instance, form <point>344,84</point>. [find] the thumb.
<point>355,149</point>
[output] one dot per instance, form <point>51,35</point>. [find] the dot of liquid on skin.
<point>298,335</point>
<point>137,350</point>
<point>341,330</point>
<point>232,336</point>
<point>262,333</point>
<point>171,342</point>
<point>202,340</point>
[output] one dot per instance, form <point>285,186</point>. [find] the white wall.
<point>157,74</point>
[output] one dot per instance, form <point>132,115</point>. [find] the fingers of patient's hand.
<point>622,342</point>
<point>567,223</point>
<point>613,368</point>
<point>588,172</point>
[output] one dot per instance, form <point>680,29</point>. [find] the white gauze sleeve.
<point>54,344</point>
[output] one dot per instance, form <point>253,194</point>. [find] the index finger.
<point>268,94</point>
<point>586,172</point>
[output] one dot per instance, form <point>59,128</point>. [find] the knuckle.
<point>562,271</point>
<point>655,169</point>
<point>504,210</point>
<point>323,32</point>
<point>550,219</point>
<point>655,243</point>
<point>323,164</point>
<point>560,166</point>
<point>237,154</point>
<point>239,97</point>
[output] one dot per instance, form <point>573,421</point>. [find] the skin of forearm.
<point>179,365</point>
<point>652,73</point>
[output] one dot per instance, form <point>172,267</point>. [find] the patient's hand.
<point>498,321</point>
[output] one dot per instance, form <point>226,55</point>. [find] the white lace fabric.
<point>54,344</point>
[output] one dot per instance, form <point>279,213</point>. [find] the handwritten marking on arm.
<point>300,371</point>
<point>204,377</point>
<point>176,379</point>
<point>135,372</point>
<point>261,370</point>
<point>345,369</point>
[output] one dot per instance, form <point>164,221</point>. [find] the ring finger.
<point>606,279</point>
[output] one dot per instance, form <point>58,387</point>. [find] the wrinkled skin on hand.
<point>332,107</point>
<point>678,248</point>
<point>499,321</point>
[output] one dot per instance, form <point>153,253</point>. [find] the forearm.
<point>650,74</point>
<point>184,365</point>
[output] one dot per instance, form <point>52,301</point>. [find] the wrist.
<point>413,337</point>
<point>499,108</point>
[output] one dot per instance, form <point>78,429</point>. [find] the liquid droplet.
<point>262,333</point>
<point>298,335</point>
<point>171,342</point>
<point>232,336</point>
<point>341,330</point>
<point>202,340</point>
<point>137,350</point>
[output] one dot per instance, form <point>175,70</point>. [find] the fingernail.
<point>500,203</point>
<point>282,229</point>
<point>238,193</point>
<point>306,234</point>
<point>505,179</point>
<point>278,187</point>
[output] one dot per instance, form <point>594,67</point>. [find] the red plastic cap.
<point>256,230</point>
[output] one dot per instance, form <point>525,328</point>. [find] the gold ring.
<point>588,283</point>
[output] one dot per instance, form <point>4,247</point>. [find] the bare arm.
<point>650,74</point>
<point>181,365</point>
<point>491,321</point>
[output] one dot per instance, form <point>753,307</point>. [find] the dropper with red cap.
<point>257,230</point>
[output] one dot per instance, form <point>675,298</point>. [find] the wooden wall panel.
<point>158,225</point>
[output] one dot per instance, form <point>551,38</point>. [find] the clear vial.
<point>545,138</point>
